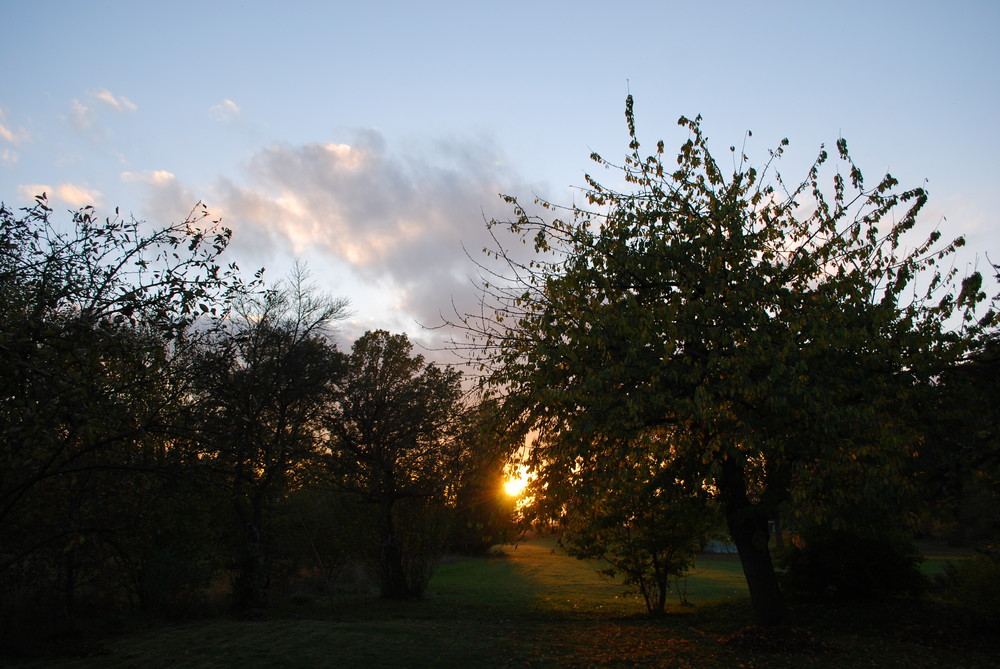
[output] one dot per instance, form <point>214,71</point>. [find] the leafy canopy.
<point>729,303</point>
<point>781,331</point>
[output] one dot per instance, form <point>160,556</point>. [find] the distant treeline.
<point>169,430</point>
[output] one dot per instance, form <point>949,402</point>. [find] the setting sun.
<point>515,486</point>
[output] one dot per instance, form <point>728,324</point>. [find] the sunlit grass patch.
<point>565,585</point>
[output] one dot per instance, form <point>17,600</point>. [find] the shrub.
<point>843,564</point>
<point>979,586</point>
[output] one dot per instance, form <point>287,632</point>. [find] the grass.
<point>937,556</point>
<point>535,607</point>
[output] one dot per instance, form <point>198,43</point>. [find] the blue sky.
<point>370,139</point>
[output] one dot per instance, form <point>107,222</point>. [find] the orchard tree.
<point>395,445</point>
<point>782,330</point>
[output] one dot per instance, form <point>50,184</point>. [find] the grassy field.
<point>533,606</point>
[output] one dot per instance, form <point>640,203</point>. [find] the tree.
<point>265,383</point>
<point>959,465</point>
<point>94,316</point>
<point>395,445</point>
<point>484,512</point>
<point>646,526</point>
<point>782,332</point>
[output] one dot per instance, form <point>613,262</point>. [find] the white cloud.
<point>77,196</point>
<point>9,157</point>
<point>81,116</point>
<point>8,134</point>
<point>226,110</point>
<point>74,195</point>
<point>386,227</point>
<point>398,219</point>
<point>84,114</point>
<point>164,198</point>
<point>29,191</point>
<point>153,177</point>
<point>118,103</point>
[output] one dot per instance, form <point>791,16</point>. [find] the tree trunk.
<point>748,527</point>
<point>394,585</point>
<point>69,594</point>
<point>251,583</point>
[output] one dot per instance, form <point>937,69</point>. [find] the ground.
<point>533,606</point>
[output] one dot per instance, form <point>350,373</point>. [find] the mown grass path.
<point>535,607</point>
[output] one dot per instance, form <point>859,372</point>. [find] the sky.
<point>371,140</point>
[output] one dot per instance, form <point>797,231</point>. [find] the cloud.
<point>227,110</point>
<point>9,157</point>
<point>118,103</point>
<point>388,227</point>
<point>154,177</point>
<point>74,195</point>
<point>8,134</point>
<point>81,116</point>
<point>84,115</point>
<point>396,217</point>
<point>166,198</point>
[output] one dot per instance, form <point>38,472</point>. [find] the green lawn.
<point>938,555</point>
<point>533,606</point>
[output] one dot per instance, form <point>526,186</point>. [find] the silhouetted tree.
<point>959,464</point>
<point>94,316</point>
<point>781,331</point>
<point>266,382</point>
<point>484,512</point>
<point>395,444</point>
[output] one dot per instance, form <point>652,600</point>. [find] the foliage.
<point>265,383</point>
<point>959,464</point>
<point>309,534</point>
<point>395,437</point>
<point>852,564</point>
<point>484,512</point>
<point>95,319</point>
<point>639,515</point>
<point>979,586</point>
<point>163,422</point>
<point>647,539</point>
<point>781,331</point>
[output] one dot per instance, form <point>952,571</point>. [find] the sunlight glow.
<point>515,486</point>
<point>517,480</point>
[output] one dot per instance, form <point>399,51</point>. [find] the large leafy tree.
<point>395,445</point>
<point>264,385</point>
<point>94,316</point>
<point>781,330</point>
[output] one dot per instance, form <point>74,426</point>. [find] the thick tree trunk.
<point>748,526</point>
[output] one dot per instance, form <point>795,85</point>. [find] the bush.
<point>845,565</point>
<point>979,586</point>
<point>173,581</point>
